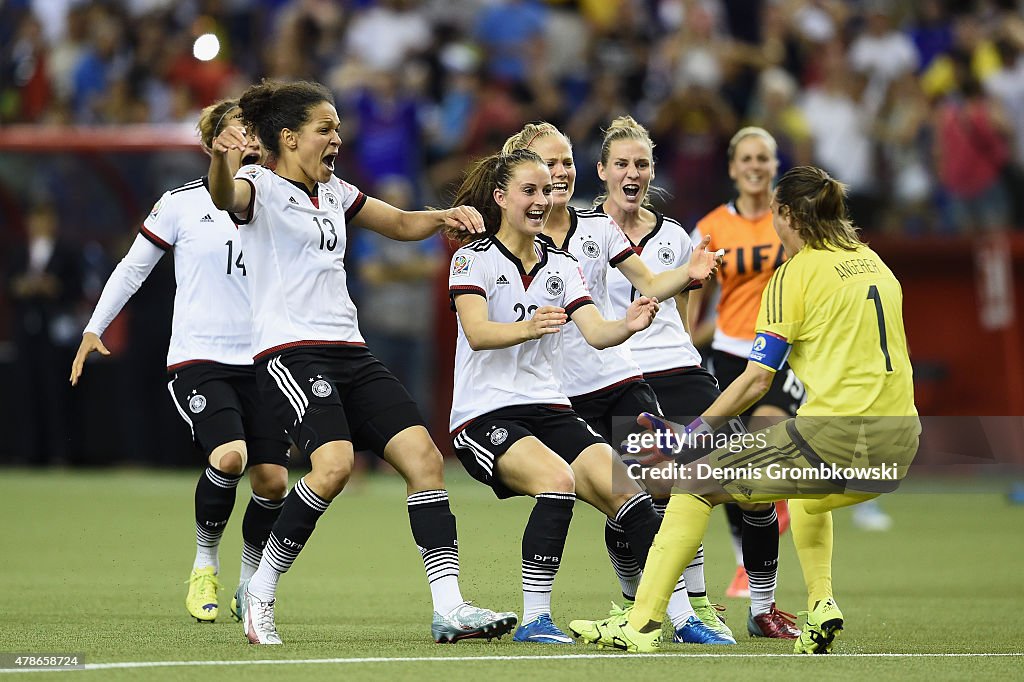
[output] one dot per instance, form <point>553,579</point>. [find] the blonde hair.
<point>530,133</point>
<point>752,131</point>
<point>211,121</point>
<point>625,128</point>
<point>817,206</point>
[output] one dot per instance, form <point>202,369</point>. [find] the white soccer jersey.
<point>524,374</point>
<point>597,243</point>
<point>212,318</point>
<point>665,344</point>
<point>295,251</point>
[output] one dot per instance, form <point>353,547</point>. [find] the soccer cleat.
<point>696,631</point>
<point>258,619</point>
<point>237,601</point>
<point>616,633</point>
<point>710,615</point>
<point>775,624</point>
<point>466,621</point>
<point>870,517</point>
<point>201,600</point>
<point>541,630</point>
<point>823,624</point>
<point>740,585</point>
<point>782,513</point>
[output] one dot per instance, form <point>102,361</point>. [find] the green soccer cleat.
<point>616,633</point>
<point>237,602</point>
<point>709,614</point>
<point>587,629</point>
<point>201,600</point>
<point>824,622</point>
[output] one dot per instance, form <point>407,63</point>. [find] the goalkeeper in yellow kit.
<point>834,309</point>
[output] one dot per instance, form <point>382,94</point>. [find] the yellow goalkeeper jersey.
<point>842,313</point>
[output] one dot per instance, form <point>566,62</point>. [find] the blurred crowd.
<point>917,107</point>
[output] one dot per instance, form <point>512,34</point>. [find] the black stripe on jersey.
<point>590,213</point>
<point>774,302</point>
<point>154,240</point>
<point>577,304</point>
<point>194,184</point>
<point>614,261</point>
<point>248,211</point>
<point>356,206</point>
<point>480,244</point>
<point>659,218</point>
<point>460,289</point>
<point>672,220</point>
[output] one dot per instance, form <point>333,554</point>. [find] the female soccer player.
<point>605,384</point>
<point>212,379</point>
<point>512,425</point>
<point>743,229</point>
<point>325,387</point>
<point>835,309</point>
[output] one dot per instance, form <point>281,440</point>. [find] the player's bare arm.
<point>703,265</point>
<point>483,334</point>
<point>226,152</point>
<point>602,333</point>
<point>406,226</point>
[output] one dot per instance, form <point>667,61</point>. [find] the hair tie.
<point>221,119</point>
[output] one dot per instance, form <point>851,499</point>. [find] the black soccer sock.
<point>640,524</point>
<point>301,510</point>
<point>761,556</point>
<point>735,516</point>
<point>260,516</point>
<point>434,531</point>
<point>620,553</point>
<point>215,498</point>
<point>543,542</point>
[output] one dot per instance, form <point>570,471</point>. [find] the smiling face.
<point>628,174</point>
<point>526,202</point>
<point>753,166</point>
<point>311,151</point>
<point>557,154</point>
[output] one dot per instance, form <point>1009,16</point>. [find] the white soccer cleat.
<point>258,620</point>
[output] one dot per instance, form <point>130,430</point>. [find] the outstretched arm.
<point>406,226</point>
<point>602,333</point>
<point>126,279</point>
<point>664,285</point>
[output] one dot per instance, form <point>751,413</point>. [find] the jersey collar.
<point>659,220</point>
<point>540,244</point>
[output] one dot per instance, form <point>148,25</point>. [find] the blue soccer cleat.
<point>541,630</point>
<point>694,631</point>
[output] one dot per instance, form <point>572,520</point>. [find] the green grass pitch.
<point>96,563</point>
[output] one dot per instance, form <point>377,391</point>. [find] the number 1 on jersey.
<point>237,262</point>
<point>874,295</point>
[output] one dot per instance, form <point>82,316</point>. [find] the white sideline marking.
<point>611,656</point>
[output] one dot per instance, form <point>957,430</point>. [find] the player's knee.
<point>422,466</point>
<point>269,481</point>
<point>229,458</point>
<point>331,468</point>
<point>562,481</point>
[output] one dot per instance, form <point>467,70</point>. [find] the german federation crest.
<point>498,436</point>
<point>666,255</point>
<point>321,388</point>
<point>554,285</point>
<point>591,249</point>
<point>197,403</point>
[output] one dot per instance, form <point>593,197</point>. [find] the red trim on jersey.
<point>459,289</point>
<point>626,253</point>
<point>638,250</point>
<point>315,201</point>
<point>178,365</point>
<point>297,344</point>
<point>694,284</point>
<point>577,304</point>
<point>595,393</point>
<point>464,425</point>
<point>527,281</point>
<point>670,372</point>
<point>356,206</point>
<point>157,242</point>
